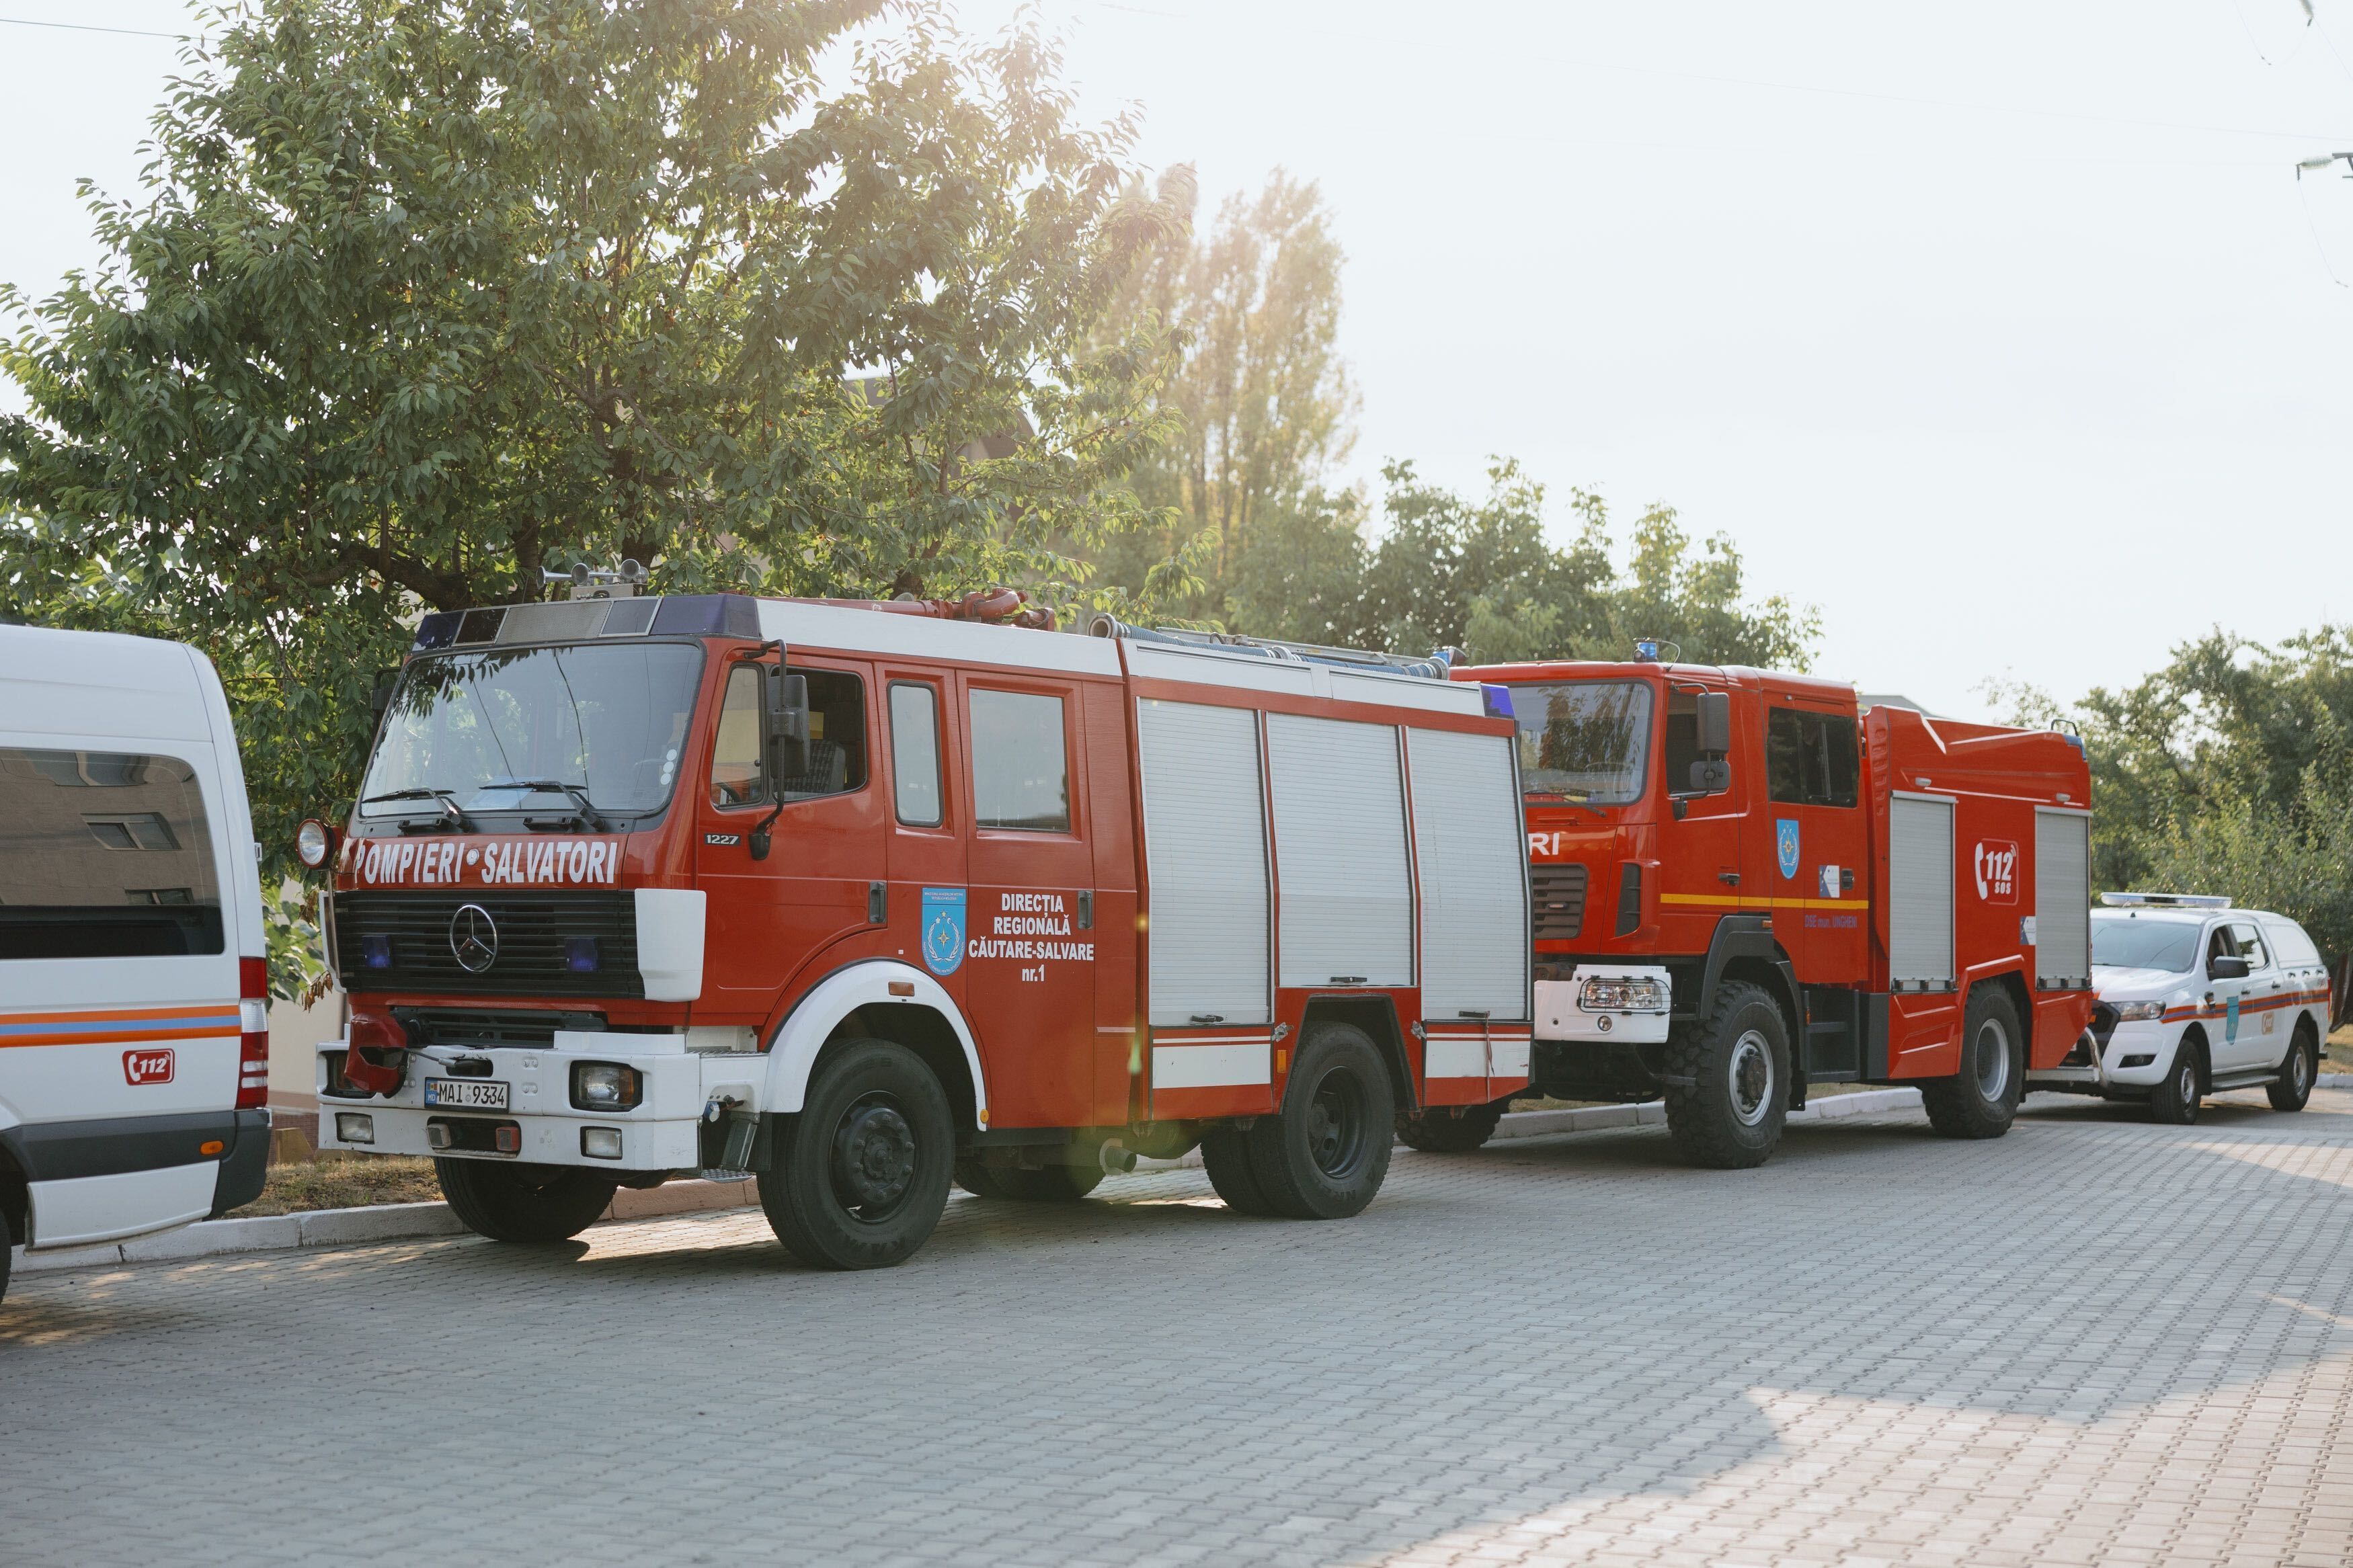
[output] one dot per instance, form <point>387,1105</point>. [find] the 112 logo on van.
<point>149,1066</point>
<point>1995,861</point>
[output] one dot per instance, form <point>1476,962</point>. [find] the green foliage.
<point>429,295</point>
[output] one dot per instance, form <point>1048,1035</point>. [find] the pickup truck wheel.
<point>857,1180</point>
<point>1325,1155</point>
<point>1738,1058</point>
<point>2298,1073</point>
<point>1052,1185</point>
<point>1225,1154</point>
<point>1981,1099</point>
<point>2175,1099</point>
<point>524,1202</point>
<point>1442,1131</point>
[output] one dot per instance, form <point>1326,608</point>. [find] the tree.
<point>429,295</point>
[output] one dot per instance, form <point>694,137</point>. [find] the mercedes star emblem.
<point>473,937</point>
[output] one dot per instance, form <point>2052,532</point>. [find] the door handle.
<point>1729,878</point>
<point>878,904</point>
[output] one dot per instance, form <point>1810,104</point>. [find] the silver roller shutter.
<point>1339,851</point>
<point>2062,899</point>
<point>1470,851</point>
<point>1920,893</point>
<point>1204,848</point>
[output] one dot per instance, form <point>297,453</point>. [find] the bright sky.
<point>2002,332</point>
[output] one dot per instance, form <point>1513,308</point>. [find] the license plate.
<point>465,1093</point>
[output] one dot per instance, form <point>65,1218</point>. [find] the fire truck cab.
<point>1743,886</point>
<point>864,898</point>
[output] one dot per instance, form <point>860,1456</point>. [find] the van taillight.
<point>253,1043</point>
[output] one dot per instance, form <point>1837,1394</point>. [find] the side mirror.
<point>1714,727</point>
<point>2223,967</point>
<point>788,725</point>
<point>1712,775</point>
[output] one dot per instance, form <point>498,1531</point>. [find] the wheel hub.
<point>873,1157</point>
<point>1335,1124</point>
<point>1752,1078</point>
<point>1993,1059</point>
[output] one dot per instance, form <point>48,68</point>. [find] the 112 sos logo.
<point>1995,863</point>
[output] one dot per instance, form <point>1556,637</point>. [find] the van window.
<point>1020,775</point>
<point>915,752</point>
<point>104,854</point>
<point>2293,948</point>
<point>739,774</point>
<point>1809,758</point>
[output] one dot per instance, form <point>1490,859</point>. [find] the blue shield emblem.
<point>1785,845</point>
<point>2231,1019</point>
<point>942,930</point>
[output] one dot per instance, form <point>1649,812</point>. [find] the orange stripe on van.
<point>111,1026</point>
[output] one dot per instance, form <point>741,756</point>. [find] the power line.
<point>86,27</point>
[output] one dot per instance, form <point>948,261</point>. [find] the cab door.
<point>1701,876</point>
<point>766,920</point>
<point>925,896</point>
<point>1812,790</point>
<point>2238,1041</point>
<point>1029,943</point>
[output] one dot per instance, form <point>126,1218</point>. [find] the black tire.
<point>2175,1098</point>
<point>1737,1058</point>
<point>1981,1099</point>
<point>1325,1153</point>
<point>1225,1154</point>
<point>521,1203</point>
<point>6,1242</point>
<point>2298,1073</point>
<point>1442,1131</point>
<point>1052,1185</point>
<point>858,1178</point>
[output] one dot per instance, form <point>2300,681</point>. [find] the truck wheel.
<point>1325,1155</point>
<point>2298,1073</point>
<point>524,1202</point>
<point>1981,1099</point>
<point>1053,1184</point>
<point>1225,1154</point>
<point>2175,1099</point>
<point>858,1178</point>
<point>1442,1132</point>
<point>1738,1058</point>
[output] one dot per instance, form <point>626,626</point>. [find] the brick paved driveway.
<point>2095,1342</point>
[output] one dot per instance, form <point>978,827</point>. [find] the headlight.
<point>1624,995</point>
<point>314,842</point>
<point>2137,1012</point>
<point>605,1086</point>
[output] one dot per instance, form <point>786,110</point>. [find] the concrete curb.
<point>392,1222</point>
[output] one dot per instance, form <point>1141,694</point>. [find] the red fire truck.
<point>1743,886</point>
<point>864,898</point>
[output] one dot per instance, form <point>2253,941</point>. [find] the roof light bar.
<point>2165,900</point>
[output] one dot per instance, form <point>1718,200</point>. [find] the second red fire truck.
<point>1745,886</point>
<point>867,898</point>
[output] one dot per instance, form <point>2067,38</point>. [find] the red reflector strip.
<point>253,1049</point>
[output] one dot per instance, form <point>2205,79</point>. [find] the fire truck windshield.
<point>1583,740</point>
<point>598,729</point>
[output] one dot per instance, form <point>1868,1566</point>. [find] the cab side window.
<point>1020,768</point>
<point>836,746</point>
<point>739,775</point>
<point>2250,945</point>
<point>915,752</point>
<point>1811,759</point>
<point>2220,945</point>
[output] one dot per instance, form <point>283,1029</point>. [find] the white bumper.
<point>662,1132</point>
<point>1560,1015</point>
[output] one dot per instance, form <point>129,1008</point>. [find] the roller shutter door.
<point>1920,893</point>
<point>2062,899</point>
<point>1339,852</point>
<point>1471,855</point>
<point>1204,848</point>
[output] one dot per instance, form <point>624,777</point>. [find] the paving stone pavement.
<point>2096,1341</point>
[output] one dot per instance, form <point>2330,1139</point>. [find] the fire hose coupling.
<point>1623,993</point>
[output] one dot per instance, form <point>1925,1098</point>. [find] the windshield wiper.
<point>589,814</point>
<point>447,799</point>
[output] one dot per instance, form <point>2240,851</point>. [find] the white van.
<point>135,1044</point>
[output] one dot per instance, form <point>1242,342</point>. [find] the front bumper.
<point>662,1132</point>
<point>1561,1016</point>
<point>2151,1038</point>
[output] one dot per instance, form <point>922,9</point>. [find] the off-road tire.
<point>1980,1100</point>
<point>1729,1117</point>
<point>1225,1155</point>
<point>1050,1185</point>
<point>858,1178</point>
<point>524,1202</point>
<point>2173,1100</point>
<point>2298,1073</point>
<point>1440,1131</point>
<point>1325,1153</point>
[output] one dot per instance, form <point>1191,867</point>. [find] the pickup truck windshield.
<point>2132,942</point>
<point>1583,740</point>
<point>551,729</point>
